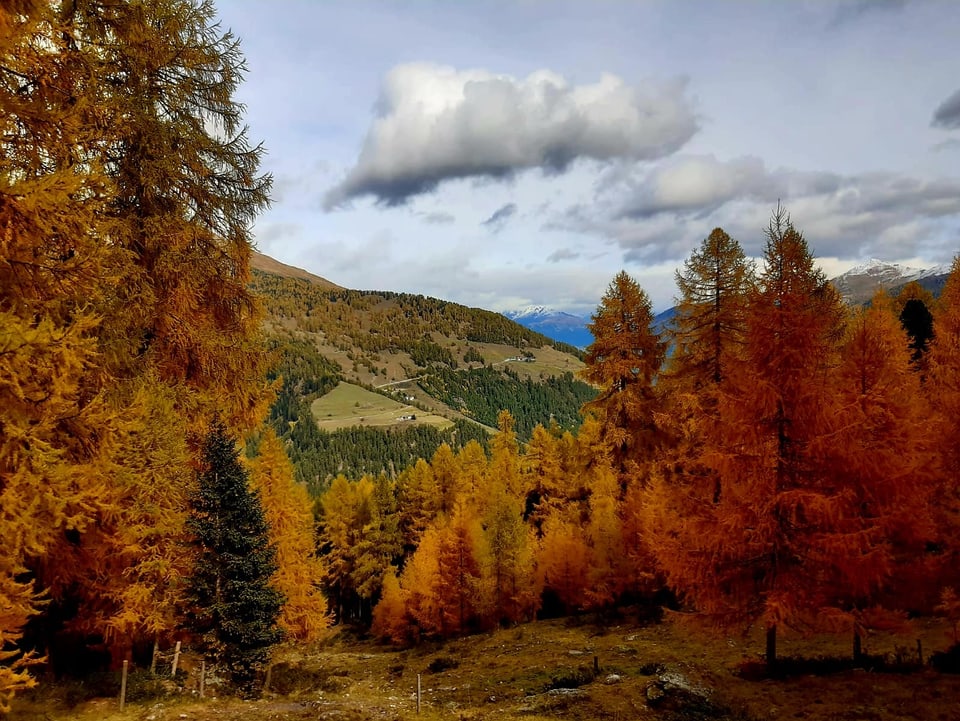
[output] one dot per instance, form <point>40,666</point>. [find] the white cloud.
<point>435,123</point>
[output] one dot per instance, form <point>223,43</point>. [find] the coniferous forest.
<point>775,459</point>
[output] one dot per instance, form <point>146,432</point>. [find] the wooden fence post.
<point>123,685</point>
<point>418,693</point>
<point>203,674</point>
<point>176,659</point>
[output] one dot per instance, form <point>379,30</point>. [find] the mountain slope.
<point>431,357</point>
<point>858,284</point>
<point>266,264</point>
<point>560,326</point>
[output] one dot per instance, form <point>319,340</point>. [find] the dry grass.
<point>508,674</point>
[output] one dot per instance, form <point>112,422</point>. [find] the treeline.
<point>127,190</point>
<point>377,321</point>
<point>793,464</point>
<point>483,392</point>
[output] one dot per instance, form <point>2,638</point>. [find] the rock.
<point>564,692</point>
<point>612,679</point>
<point>673,691</point>
<point>575,652</point>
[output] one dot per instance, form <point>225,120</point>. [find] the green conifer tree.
<point>236,609</point>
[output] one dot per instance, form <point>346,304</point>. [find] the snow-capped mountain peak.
<point>858,284</point>
<point>531,311</point>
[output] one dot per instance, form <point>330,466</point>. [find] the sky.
<point>504,153</point>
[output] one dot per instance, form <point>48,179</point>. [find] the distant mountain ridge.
<point>858,284</point>
<point>566,327</point>
<point>555,324</point>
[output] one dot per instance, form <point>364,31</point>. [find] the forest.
<point>791,464</point>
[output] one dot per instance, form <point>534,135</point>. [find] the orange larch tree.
<point>943,394</point>
<point>741,555</point>
<point>623,361</point>
<point>878,477</point>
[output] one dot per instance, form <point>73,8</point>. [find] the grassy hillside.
<point>392,363</point>
<point>543,670</point>
<point>349,405</point>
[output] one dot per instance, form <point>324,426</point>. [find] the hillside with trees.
<point>465,364</point>
<point>789,472</point>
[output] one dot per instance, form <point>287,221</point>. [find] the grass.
<point>350,405</point>
<point>545,671</point>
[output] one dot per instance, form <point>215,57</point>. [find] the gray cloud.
<point>947,115</point>
<point>658,214</point>
<point>562,254</point>
<point>434,123</point>
<point>500,217</point>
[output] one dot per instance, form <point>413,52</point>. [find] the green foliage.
<point>235,610</point>
<point>426,352</point>
<point>319,455</point>
<point>484,392</point>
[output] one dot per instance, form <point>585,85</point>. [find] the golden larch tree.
<point>289,514</point>
<point>623,361</point>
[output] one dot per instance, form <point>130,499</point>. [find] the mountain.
<point>266,264</point>
<point>372,380</point>
<point>556,324</point>
<point>859,283</point>
<point>568,328</point>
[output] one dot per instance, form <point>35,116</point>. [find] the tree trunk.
<point>857,647</point>
<point>771,646</point>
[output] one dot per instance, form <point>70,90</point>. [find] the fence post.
<point>203,674</point>
<point>123,685</point>
<point>176,659</point>
<point>418,693</point>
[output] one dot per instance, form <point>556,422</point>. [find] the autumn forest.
<point>774,459</point>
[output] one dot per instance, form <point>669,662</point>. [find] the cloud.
<point>500,217</point>
<point>434,123</point>
<point>562,254</point>
<point>658,214</point>
<point>947,115</point>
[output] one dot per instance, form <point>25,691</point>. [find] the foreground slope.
<point>545,670</point>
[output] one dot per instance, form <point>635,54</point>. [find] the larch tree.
<point>379,546</point>
<point>943,394</point>
<point>879,478</point>
<point>709,325</point>
<point>563,568</point>
<point>458,577</point>
<point>623,361</point>
<point>187,189</point>
<point>289,516</point>
<point>346,509</point>
<point>508,561</point>
<point>234,607</point>
<point>747,555</point>
<point>53,466</point>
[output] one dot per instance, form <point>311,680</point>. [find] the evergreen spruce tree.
<point>236,609</point>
